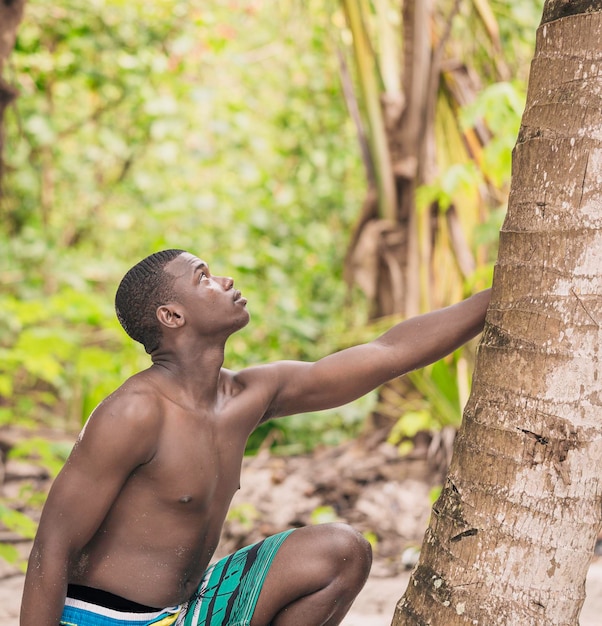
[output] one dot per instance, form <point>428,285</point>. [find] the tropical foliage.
<point>437,115</point>
<point>221,131</point>
<point>248,132</point>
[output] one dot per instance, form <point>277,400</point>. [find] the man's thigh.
<point>319,569</point>
<point>231,587</point>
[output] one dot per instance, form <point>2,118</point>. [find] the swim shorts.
<point>227,596</point>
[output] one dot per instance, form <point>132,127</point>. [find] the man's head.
<point>144,288</point>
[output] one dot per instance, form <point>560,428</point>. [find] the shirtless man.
<point>133,519</point>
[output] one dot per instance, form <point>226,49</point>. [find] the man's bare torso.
<point>164,526</point>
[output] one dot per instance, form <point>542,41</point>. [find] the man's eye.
<point>202,275</point>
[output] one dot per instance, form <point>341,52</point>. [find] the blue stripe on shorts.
<point>81,613</point>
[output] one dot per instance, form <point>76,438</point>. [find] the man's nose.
<point>227,282</point>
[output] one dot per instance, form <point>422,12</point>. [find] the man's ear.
<point>170,315</point>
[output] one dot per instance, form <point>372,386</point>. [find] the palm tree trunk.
<point>513,533</point>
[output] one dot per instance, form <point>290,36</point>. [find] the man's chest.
<point>196,466</point>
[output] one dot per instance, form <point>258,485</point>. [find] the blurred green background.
<point>224,128</point>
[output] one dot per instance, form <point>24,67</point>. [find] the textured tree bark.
<point>11,14</point>
<point>512,535</point>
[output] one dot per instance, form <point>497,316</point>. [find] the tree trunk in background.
<point>11,14</point>
<point>513,532</point>
<point>399,244</point>
<point>384,256</point>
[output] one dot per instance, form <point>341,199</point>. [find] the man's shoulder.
<point>262,381</point>
<point>137,401</point>
<point>249,376</point>
<point>129,419</point>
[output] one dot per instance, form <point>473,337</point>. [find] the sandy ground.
<point>371,489</point>
<point>374,606</point>
<point>376,603</point>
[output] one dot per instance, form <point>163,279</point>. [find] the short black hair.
<point>145,287</point>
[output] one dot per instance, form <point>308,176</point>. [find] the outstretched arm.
<point>353,372</point>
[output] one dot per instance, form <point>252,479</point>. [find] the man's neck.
<point>195,371</point>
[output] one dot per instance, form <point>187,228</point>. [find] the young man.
<point>133,519</point>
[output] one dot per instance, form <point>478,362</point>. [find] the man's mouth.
<point>239,298</point>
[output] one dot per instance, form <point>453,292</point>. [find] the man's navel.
<point>185,499</point>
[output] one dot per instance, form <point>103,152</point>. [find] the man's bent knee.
<point>315,577</point>
<point>351,551</point>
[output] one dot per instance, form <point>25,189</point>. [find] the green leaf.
<point>323,515</point>
<point>18,522</point>
<point>9,553</point>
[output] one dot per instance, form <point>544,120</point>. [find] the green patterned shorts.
<point>227,595</point>
<point>230,588</point>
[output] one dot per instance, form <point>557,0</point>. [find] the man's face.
<point>210,302</point>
